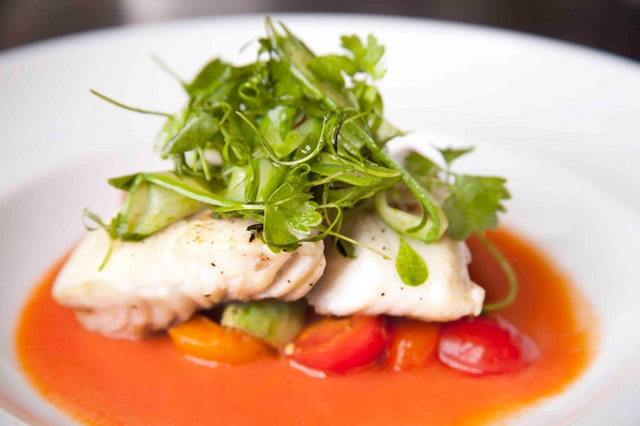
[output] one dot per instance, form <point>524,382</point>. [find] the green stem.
<point>127,107</point>
<point>508,271</point>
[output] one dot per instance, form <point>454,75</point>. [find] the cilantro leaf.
<point>451,154</point>
<point>289,214</point>
<point>473,204</point>
<point>366,57</point>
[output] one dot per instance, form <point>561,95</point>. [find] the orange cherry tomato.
<point>205,339</point>
<point>413,343</point>
<point>485,345</point>
<point>339,344</point>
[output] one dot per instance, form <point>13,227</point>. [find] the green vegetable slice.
<point>149,207</point>
<point>275,321</point>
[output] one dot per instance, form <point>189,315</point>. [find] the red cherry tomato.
<point>412,344</point>
<point>339,344</point>
<point>485,345</point>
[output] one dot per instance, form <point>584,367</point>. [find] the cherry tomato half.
<point>339,344</point>
<point>412,344</point>
<point>485,345</point>
<point>205,339</point>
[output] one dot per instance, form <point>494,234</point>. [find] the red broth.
<point>101,381</point>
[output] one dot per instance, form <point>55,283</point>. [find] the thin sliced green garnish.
<point>150,207</point>
<point>512,279</point>
<point>401,219</point>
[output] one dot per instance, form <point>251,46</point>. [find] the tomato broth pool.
<point>102,381</point>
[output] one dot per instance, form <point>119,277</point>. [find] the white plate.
<point>559,121</point>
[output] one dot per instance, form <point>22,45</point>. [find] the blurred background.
<point>608,25</point>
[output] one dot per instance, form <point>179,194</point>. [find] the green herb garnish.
<point>411,267</point>
<point>295,141</point>
<point>301,137</point>
<point>472,202</point>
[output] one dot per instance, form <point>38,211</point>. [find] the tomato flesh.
<point>412,344</point>
<point>485,345</point>
<point>202,338</point>
<point>339,344</point>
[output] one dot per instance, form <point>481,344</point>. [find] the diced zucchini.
<point>275,321</point>
<point>149,208</point>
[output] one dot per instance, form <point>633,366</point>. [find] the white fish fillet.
<point>370,285</point>
<point>191,265</point>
